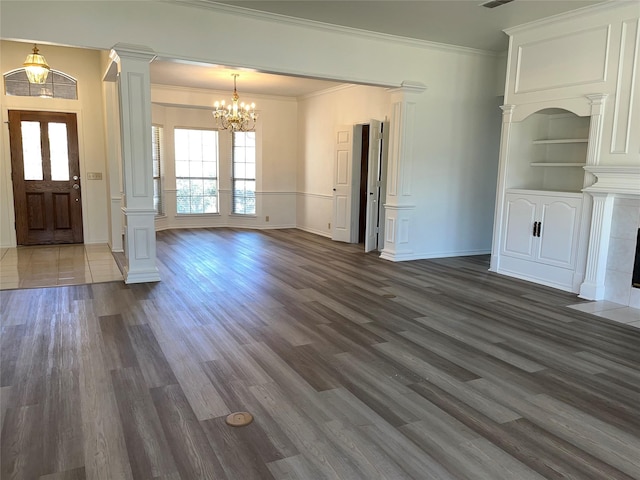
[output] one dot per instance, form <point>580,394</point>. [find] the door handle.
<point>535,228</point>
<point>539,227</point>
<point>76,186</point>
<point>75,177</point>
<point>334,189</point>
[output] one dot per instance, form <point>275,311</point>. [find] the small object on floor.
<point>389,295</point>
<point>239,419</point>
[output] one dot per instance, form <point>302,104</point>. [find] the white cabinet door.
<point>554,240</point>
<point>519,218</point>
<point>559,219</point>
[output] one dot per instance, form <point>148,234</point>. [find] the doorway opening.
<point>364,174</point>
<point>359,184</point>
<point>370,184</point>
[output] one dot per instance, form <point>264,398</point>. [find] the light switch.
<point>94,176</point>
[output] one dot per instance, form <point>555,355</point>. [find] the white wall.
<point>456,157</point>
<point>276,154</point>
<point>454,149</point>
<point>319,117</point>
<point>85,66</point>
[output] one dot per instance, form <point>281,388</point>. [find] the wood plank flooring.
<point>353,367</point>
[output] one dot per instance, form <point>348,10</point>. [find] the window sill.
<point>243,215</point>
<point>191,215</point>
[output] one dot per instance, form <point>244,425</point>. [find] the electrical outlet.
<point>266,218</point>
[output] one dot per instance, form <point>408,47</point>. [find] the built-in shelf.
<point>560,140</point>
<point>557,164</point>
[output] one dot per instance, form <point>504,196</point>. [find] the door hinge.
<point>377,230</point>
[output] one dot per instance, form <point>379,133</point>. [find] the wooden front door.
<point>46,177</point>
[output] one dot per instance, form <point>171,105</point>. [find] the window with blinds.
<point>156,149</point>
<point>244,173</point>
<point>196,171</point>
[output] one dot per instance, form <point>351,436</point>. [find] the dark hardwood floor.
<point>353,368</point>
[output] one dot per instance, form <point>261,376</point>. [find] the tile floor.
<point>612,311</point>
<point>51,265</point>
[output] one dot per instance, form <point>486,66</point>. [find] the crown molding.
<point>328,27</point>
<point>218,92</point>
<point>573,14</point>
<point>330,90</point>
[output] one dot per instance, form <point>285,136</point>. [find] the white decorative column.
<point>505,134</point>
<point>597,103</point>
<point>114,161</point>
<point>398,209</point>
<point>596,123</point>
<point>135,123</point>
<point>593,286</point>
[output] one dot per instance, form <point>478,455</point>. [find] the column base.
<point>591,291</point>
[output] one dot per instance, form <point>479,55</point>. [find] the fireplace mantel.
<point>615,179</point>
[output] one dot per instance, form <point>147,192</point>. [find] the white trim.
<point>331,90</point>
<point>563,17</point>
<point>327,27</point>
<point>407,256</point>
<point>614,179</point>
<point>314,231</point>
<point>315,195</point>
<point>213,92</point>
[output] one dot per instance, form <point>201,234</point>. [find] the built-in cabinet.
<point>540,210</point>
<point>540,235</point>
<point>569,139</point>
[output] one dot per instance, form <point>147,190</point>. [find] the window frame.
<point>245,178</point>
<point>216,178</point>
<point>158,148</point>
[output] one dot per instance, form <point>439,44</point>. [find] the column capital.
<point>507,113</point>
<point>131,51</point>
<point>408,87</point>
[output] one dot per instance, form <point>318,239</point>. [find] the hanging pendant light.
<point>235,117</point>
<point>36,67</point>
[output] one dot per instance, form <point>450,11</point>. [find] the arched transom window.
<point>58,85</point>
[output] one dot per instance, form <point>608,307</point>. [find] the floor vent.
<point>495,3</point>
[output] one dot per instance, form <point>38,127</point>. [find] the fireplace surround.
<point>615,221</point>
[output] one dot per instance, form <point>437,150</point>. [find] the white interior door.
<point>373,185</point>
<point>342,184</point>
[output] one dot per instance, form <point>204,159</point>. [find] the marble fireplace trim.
<point>611,181</point>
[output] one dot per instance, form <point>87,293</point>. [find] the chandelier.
<point>36,67</point>
<point>235,117</point>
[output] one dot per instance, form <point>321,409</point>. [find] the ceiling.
<point>456,22</point>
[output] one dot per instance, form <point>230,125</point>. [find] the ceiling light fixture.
<point>235,117</point>
<point>36,67</point>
